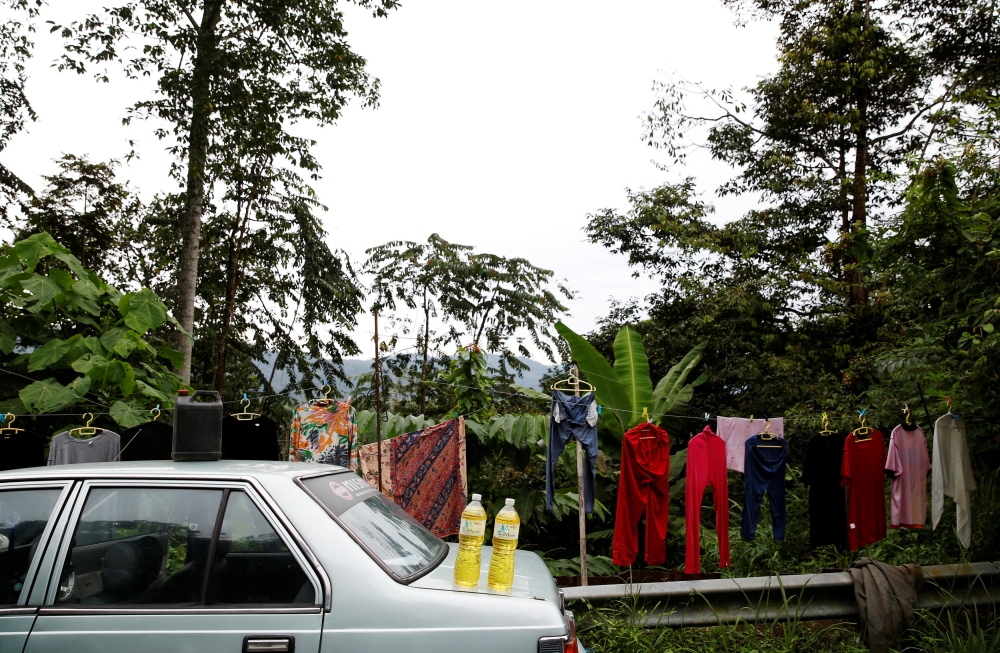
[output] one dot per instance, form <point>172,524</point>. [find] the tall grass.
<point>626,627</point>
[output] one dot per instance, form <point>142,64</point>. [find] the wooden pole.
<point>378,406</point>
<point>579,490</point>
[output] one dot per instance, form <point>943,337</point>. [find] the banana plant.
<point>625,391</point>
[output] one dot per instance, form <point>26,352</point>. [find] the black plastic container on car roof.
<point>197,426</point>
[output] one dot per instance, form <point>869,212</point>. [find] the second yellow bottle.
<point>505,530</point>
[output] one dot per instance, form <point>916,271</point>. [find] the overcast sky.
<point>501,125</point>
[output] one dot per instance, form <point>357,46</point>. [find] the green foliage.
<point>85,209</point>
<point>71,342</point>
<point>468,376</point>
<point>625,627</point>
<point>611,392</point>
<point>394,425</point>
<point>485,300</point>
<point>632,369</point>
<point>625,390</point>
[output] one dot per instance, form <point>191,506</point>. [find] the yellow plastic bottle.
<point>505,530</point>
<point>470,543</point>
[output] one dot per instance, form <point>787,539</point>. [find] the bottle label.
<point>505,531</point>
<point>473,527</point>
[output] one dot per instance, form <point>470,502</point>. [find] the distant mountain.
<point>355,367</point>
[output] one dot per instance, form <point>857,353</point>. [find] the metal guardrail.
<point>783,598</point>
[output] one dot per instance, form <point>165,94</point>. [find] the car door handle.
<point>268,644</point>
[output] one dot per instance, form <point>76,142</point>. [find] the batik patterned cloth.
<point>424,472</point>
<point>322,432</point>
<point>368,462</point>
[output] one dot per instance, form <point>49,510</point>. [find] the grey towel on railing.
<point>887,597</point>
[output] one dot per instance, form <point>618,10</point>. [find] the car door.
<point>28,514</point>
<point>163,567</point>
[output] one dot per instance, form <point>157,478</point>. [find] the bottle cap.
<point>477,497</point>
<point>509,502</point>
<point>182,393</point>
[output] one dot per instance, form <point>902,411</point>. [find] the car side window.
<point>252,564</point>
<point>140,545</point>
<point>23,517</point>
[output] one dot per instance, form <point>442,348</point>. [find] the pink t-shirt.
<point>908,460</point>
<point>737,430</point>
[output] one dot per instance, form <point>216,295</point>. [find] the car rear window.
<point>395,540</point>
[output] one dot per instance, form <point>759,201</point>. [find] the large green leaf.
<point>108,375</point>
<point>673,393</point>
<point>632,369</point>
<point>145,311</point>
<point>117,340</point>
<point>42,289</point>
<point>73,263</point>
<point>86,288</point>
<point>531,392</point>
<point>85,363</point>
<point>8,337</point>
<point>48,354</point>
<point>611,394</point>
<point>175,357</point>
<point>34,248</point>
<point>128,414</point>
<point>49,395</point>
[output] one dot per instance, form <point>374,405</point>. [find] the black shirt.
<point>24,449</point>
<point>149,441</point>
<point>827,502</point>
<point>255,439</point>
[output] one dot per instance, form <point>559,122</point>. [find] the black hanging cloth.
<point>255,439</point>
<point>149,441</point>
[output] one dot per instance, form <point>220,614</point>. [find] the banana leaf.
<point>632,369</point>
<point>611,394</point>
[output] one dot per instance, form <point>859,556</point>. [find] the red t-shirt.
<point>862,472</point>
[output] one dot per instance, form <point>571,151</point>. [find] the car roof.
<point>217,469</point>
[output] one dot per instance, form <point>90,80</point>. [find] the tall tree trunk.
<point>857,298</point>
<point>198,138</point>
<point>236,239</point>
<point>423,369</point>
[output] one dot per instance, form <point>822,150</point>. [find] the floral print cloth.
<point>368,462</point>
<point>424,472</point>
<point>323,432</point>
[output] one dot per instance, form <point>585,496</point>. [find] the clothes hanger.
<point>245,415</point>
<point>87,429</point>
<point>645,413</point>
<point>826,426</point>
<point>864,429</point>
<point>908,424</point>
<point>954,415</point>
<point>9,418</point>
<point>155,413</point>
<point>767,436</point>
<point>576,381</point>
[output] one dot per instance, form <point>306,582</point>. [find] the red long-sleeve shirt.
<point>862,472</point>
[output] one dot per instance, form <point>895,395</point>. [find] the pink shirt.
<point>737,430</point>
<point>908,460</point>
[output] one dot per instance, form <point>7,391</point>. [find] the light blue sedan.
<point>231,556</point>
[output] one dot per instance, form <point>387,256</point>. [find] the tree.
<point>782,294</point>
<point>70,340</point>
<point>485,301</point>
<point>15,50</point>
<point>418,275</point>
<point>236,67</point>
<point>821,144</point>
<point>87,211</point>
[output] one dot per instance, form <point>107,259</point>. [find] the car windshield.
<point>399,543</point>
